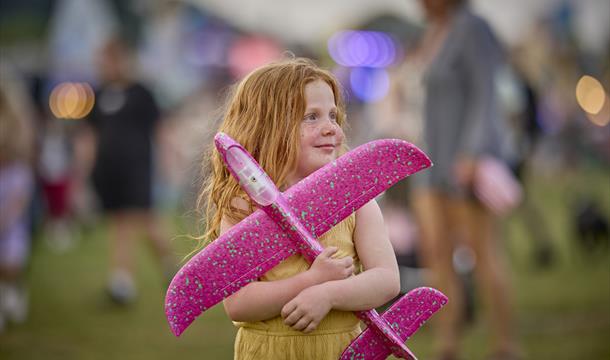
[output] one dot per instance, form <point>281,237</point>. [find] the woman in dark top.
<point>124,121</point>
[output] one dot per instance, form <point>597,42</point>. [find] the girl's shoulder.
<point>368,210</point>
<point>238,205</point>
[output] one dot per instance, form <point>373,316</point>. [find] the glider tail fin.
<point>405,317</point>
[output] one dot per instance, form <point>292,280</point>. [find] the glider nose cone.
<point>223,142</point>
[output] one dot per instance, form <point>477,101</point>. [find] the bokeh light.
<point>363,48</point>
<point>602,118</point>
<point>70,100</point>
<point>250,52</point>
<point>369,84</point>
<point>590,94</point>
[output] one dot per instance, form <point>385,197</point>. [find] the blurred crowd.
<point>72,154</point>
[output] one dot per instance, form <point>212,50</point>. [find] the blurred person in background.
<point>519,100</point>
<point>123,126</point>
<point>55,172</point>
<point>16,191</point>
<point>403,116</point>
<point>459,55</point>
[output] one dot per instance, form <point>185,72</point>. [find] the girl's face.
<point>321,136</point>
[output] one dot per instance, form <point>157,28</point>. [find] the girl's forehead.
<point>318,87</point>
<point>319,93</point>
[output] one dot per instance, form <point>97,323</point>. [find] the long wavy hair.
<point>263,113</point>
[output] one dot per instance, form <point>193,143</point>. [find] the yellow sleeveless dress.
<point>272,339</point>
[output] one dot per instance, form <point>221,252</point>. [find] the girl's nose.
<point>329,127</point>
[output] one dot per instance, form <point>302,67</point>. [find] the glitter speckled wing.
<point>257,244</point>
<point>405,316</point>
<point>243,254</point>
<point>338,189</point>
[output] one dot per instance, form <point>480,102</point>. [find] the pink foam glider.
<point>289,222</point>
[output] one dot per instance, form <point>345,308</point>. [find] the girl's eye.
<point>310,117</point>
<point>333,117</point>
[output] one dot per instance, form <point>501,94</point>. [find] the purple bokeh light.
<point>353,48</point>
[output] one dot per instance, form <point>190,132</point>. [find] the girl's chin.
<point>317,163</point>
<point>323,162</point>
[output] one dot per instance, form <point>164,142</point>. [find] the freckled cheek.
<point>340,135</point>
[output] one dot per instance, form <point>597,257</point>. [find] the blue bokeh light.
<point>369,84</point>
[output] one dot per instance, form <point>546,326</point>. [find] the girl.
<point>290,116</point>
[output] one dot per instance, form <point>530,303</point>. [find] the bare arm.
<point>375,286</point>
<point>263,300</point>
<point>380,281</point>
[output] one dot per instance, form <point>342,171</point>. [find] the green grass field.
<point>562,313</point>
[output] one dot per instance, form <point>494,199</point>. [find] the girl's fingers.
<point>351,270</point>
<point>311,327</point>
<point>292,318</point>
<point>302,324</point>
<point>287,309</point>
<point>348,260</point>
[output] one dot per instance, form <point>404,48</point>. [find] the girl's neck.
<point>291,180</point>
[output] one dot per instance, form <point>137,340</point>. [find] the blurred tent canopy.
<point>312,22</point>
<point>307,22</point>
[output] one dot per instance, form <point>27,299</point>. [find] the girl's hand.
<point>306,310</point>
<point>325,268</point>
